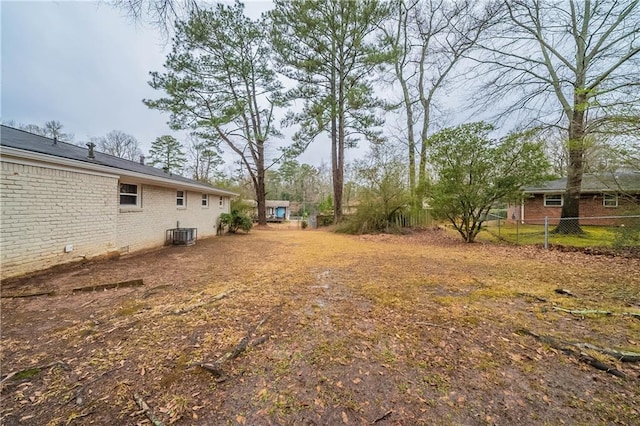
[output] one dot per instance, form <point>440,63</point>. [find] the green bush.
<point>373,219</point>
<point>236,220</point>
<point>324,220</point>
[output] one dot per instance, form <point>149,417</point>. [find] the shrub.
<point>628,235</point>
<point>236,220</point>
<point>383,197</point>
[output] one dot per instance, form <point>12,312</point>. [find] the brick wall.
<point>146,226</point>
<point>591,205</point>
<point>45,209</point>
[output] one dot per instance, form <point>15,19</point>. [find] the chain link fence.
<point>614,232</point>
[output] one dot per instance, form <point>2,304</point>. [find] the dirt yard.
<point>312,328</point>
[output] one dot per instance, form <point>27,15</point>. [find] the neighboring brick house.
<point>60,204</point>
<point>606,194</point>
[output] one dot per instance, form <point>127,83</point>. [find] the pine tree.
<point>167,152</point>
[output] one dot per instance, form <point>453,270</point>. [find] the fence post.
<point>546,232</point>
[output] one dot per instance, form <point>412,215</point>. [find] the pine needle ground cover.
<point>309,327</point>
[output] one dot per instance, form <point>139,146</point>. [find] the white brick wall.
<point>45,209</point>
<point>146,227</point>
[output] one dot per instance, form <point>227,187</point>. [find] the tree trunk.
<point>338,175</point>
<point>334,163</point>
<point>569,222</point>
<point>337,144</point>
<point>425,101</point>
<point>401,38</point>
<point>261,196</point>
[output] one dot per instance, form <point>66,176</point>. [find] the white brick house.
<point>59,205</point>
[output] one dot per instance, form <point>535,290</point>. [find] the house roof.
<point>277,203</point>
<point>19,143</point>
<point>619,181</point>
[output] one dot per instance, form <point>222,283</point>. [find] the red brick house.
<point>606,194</point>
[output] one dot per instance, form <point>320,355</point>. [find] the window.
<point>129,195</point>
<point>205,200</point>
<point>553,200</point>
<point>180,200</point>
<point>221,202</point>
<point>610,200</point>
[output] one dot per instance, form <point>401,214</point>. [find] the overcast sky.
<point>87,65</point>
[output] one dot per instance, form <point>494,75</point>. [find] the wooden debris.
<point>154,290</point>
<point>201,304</point>
<point>582,312</point>
<point>533,296</point>
<point>623,356</point>
<point>121,284</point>
<point>635,315</point>
<point>216,367</point>
<point>215,370</point>
<point>565,292</point>
<point>259,340</point>
<point>147,410</point>
<point>28,294</point>
<point>568,349</point>
<point>87,303</point>
<point>34,370</point>
<point>383,417</point>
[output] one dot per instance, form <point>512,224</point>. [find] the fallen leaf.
<point>345,419</point>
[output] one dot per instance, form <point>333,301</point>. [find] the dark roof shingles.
<point>20,139</point>
<point>627,181</point>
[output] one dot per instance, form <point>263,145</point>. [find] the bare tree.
<point>204,159</point>
<point>429,38</point>
<point>161,14</point>
<point>119,144</point>
<point>51,129</point>
<point>601,154</point>
<point>571,65</point>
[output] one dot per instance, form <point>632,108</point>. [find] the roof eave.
<point>144,178</point>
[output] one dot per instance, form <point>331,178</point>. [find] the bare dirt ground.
<point>308,327</point>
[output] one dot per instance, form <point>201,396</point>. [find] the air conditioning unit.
<point>182,236</point>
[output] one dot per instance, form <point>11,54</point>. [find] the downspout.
<point>522,212</point>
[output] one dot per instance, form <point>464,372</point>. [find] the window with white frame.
<point>129,195</point>
<point>553,200</point>
<point>180,199</point>
<point>610,200</point>
<point>205,200</point>
<point>221,202</point>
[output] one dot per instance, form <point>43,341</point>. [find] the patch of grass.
<point>493,293</point>
<point>440,383</point>
<point>87,332</point>
<point>176,407</point>
<point>594,236</point>
<point>389,356</point>
<point>130,307</point>
<point>330,351</point>
<point>26,374</point>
